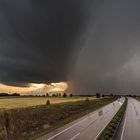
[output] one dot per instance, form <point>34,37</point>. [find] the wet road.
<point>88,127</point>
<point>131,125</point>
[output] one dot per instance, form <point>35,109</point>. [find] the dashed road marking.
<point>75,136</point>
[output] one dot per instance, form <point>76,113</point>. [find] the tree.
<point>53,95</point>
<point>87,100</point>
<point>111,94</point>
<point>103,95</point>
<point>64,95</point>
<point>47,94</point>
<point>15,94</point>
<point>134,96</point>
<point>48,102</point>
<point>4,94</point>
<point>71,95</point>
<point>98,95</point>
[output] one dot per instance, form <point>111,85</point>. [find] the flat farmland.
<point>33,122</point>
<point>21,102</point>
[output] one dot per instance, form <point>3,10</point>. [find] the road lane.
<point>131,124</point>
<point>87,127</point>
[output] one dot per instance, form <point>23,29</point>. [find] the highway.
<point>130,129</point>
<point>88,127</point>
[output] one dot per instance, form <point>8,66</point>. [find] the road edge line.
<point>122,134</point>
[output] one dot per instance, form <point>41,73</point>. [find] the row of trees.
<point>99,95</point>
<point>50,95</point>
<point>6,94</point>
<point>58,95</point>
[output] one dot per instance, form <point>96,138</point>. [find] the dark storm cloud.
<point>43,41</point>
<point>36,39</point>
<point>110,58</point>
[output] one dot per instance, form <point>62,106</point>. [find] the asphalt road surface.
<point>88,127</point>
<point>130,129</point>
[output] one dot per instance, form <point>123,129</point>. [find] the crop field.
<point>138,98</point>
<point>32,122</point>
<point>21,102</point>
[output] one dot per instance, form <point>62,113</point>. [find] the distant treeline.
<point>6,94</point>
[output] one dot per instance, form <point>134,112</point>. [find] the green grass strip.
<point>112,127</point>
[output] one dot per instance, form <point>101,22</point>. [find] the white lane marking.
<point>75,136</point>
<point>136,112</point>
<point>75,124</point>
<point>123,129</point>
<point>138,117</point>
<point>101,130</point>
<point>68,128</point>
<point>63,131</point>
<point>96,120</point>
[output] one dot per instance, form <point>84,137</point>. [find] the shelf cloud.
<point>92,44</point>
<point>36,39</point>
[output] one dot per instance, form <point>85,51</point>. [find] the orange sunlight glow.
<point>59,87</point>
<point>35,88</point>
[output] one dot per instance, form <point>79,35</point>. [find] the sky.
<point>35,89</point>
<point>88,46</point>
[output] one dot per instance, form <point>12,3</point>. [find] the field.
<point>30,122</point>
<point>21,102</point>
<point>138,98</point>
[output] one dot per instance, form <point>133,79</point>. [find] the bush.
<point>87,100</point>
<point>64,95</point>
<point>98,95</point>
<point>113,125</point>
<point>48,102</point>
<point>71,95</point>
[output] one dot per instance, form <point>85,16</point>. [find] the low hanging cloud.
<point>93,44</point>
<point>109,60</point>
<point>36,39</point>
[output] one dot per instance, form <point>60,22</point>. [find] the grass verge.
<point>31,122</point>
<point>138,98</point>
<point>111,129</point>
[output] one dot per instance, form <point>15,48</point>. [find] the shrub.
<point>48,102</point>
<point>98,95</point>
<point>71,95</point>
<point>87,100</point>
<point>64,95</point>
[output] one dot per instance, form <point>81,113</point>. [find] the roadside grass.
<point>7,103</point>
<point>32,122</point>
<point>138,98</point>
<point>111,129</point>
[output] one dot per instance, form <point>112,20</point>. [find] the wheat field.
<point>21,102</point>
